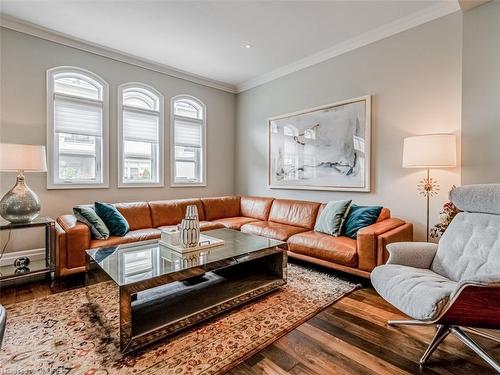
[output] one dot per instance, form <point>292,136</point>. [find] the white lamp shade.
<point>28,158</point>
<point>430,150</point>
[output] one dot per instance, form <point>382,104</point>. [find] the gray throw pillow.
<point>332,217</point>
<point>88,216</point>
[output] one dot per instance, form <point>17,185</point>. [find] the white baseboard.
<point>34,254</point>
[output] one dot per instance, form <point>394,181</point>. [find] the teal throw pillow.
<point>332,217</point>
<point>88,216</point>
<point>360,217</point>
<point>114,220</point>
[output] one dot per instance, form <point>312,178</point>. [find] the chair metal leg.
<point>457,331</point>
<point>406,323</point>
<point>441,333</point>
<point>481,333</point>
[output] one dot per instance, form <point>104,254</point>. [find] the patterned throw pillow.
<point>360,217</point>
<point>88,216</point>
<point>332,217</point>
<point>114,220</point>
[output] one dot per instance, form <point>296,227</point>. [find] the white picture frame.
<point>322,148</point>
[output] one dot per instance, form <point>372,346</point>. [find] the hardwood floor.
<point>349,337</point>
<point>352,337</point>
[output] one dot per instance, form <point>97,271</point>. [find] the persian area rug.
<point>62,334</point>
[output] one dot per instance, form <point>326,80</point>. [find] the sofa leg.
<point>406,323</point>
<point>441,333</point>
<point>481,333</point>
<point>457,331</point>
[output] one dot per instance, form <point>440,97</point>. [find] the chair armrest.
<point>368,244</point>
<point>412,254</point>
<point>77,240</point>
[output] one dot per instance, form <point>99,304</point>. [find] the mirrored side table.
<point>11,272</point>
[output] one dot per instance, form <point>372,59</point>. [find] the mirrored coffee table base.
<point>158,305</point>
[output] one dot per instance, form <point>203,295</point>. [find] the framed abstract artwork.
<point>322,148</point>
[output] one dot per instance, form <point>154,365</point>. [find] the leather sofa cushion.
<point>137,214</point>
<point>210,225</point>
<point>204,226</point>
<point>132,236</point>
<point>217,208</point>
<point>256,207</point>
<point>235,222</point>
<point>172,212</point>
<point>297,213</point>
<point>273,230</point>
<point>147,234</point>
<point>340,250</point>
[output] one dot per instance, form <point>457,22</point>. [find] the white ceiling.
<point>207,38</point>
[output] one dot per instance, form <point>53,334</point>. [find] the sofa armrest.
<point>368,244</point>
<point>412,254</point>
<point>77,241</point>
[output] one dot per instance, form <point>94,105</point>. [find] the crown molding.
<point>413,20</point>
<point>466,5</point>
<point>25,27</point>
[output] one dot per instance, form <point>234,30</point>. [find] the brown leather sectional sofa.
<point>287,220</point>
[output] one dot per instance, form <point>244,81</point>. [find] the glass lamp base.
<point>20,204</point>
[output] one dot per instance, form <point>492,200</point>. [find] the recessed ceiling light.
<point>248,46</point>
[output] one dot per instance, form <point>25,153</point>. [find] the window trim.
<point>51,142</point>
<point>203,122</point>
<point>161,128</point>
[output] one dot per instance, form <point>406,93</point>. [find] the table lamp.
<point>21,204</point>
<point>429,151</point>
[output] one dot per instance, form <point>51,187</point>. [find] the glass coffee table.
<point>162,291</point>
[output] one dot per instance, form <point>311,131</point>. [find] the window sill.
<point>76,186</point>
<point>140,185</point>
<point>192,184</point>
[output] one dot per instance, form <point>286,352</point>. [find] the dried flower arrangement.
<point>445,218</point>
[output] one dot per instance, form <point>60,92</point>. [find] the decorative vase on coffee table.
<point>190,228</point>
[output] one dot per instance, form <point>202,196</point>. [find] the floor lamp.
<point>429,151</point>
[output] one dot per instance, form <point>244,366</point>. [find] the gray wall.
<point>481,95</point>
<point>24,61</point>
<point>415,80</point>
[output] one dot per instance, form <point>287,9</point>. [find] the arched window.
<point>188,138</point>
<point>140,136</point>
<point>77,129</point>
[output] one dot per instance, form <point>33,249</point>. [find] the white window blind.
<point>187,134</point>
<point>75,117</point>
<point>140,127</point>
